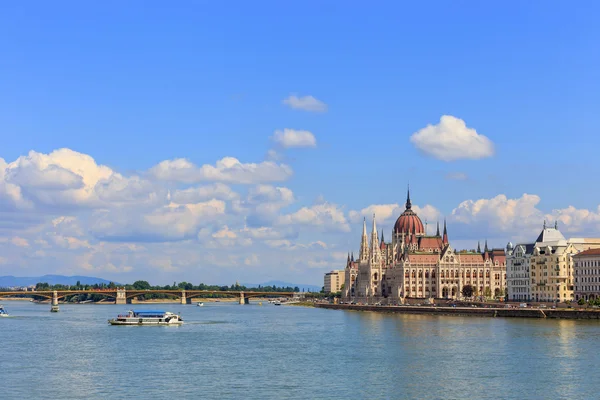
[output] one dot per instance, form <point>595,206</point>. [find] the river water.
<point>229,351</point>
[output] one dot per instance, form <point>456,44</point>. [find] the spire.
<point>485,249</point>
<point>375,251</point>
<point>478,247</point>
<point>348,257</point>
<point>445,238</point>
<point>408,204</point>
<point>382,236</point>
<point>364,244</point>
<point>437,233</point>
<point>352,257</point>
<point>555,224</point>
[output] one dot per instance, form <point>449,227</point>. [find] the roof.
<point>148,311</point>
<point>590,252</point>
<point>549,235</point>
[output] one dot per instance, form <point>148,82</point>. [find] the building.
<point>551,264</point>
<point>586,270</point>
<point>417,265</point>
<point>334,281</point>
<point>517,271</point>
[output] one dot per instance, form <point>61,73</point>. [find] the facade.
<point>416,265</point>
<point>517,271</point>
<point>551,264</point>
<point>334,281</point>
<point>586,268</point>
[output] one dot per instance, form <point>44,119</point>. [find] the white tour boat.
<point>147,317</point>
<point>3,312</point>
<point>200,304</point>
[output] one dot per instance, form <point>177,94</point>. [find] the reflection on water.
<point>229,351</point>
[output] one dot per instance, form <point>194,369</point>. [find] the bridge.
<point>124,296</point>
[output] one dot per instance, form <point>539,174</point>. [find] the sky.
<point>221,141</point>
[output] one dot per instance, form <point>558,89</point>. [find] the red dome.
<point>408,221</point>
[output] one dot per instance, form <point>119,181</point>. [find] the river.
<point>231,351</point>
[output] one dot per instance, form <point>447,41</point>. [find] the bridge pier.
<point>54,303</point>
<point>242,299</point>
<point>184,299</point>
<point>121,297</point>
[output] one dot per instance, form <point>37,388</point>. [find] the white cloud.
<point>452,140</point>
<point>228,169</point>
<point>202,193</point>
<point>327,217</point>
<point>289,138</point>
<point>306,103</point>
<point>19,241</point>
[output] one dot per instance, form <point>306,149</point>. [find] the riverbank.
<point>472,311</point>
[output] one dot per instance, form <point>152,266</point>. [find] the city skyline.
<point>204,144</point>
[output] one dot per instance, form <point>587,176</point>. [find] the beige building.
<point>551,264</point>
<point>586,266</point>
<point>333,281</point>
<point>420,266</point>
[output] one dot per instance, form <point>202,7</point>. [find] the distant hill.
<point>307,288</point>
<point>12,281</point>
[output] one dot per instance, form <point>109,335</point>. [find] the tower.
<point>364,244</point>
<point>375,251</point>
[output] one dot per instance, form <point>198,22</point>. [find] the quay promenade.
<point>472,311</point>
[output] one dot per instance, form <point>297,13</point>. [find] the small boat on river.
<point>147,317</point>
<point>200,304</point>
<point>3,312</point>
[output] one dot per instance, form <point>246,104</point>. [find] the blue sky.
<point>132,85</point>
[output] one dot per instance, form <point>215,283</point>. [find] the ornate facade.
<point>416,265</point>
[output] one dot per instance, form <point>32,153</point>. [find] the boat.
<point>200,304</point>
<point>277,303</point>
<point>54,308</point>
<point>3,312</point>
<point>147,317</point>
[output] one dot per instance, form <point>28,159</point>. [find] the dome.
<point>409,221</point>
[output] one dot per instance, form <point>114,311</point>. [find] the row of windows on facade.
<point>448,274</point>
<point>593,263</point>
<point>587,279</point>
<point>587,272</point>
<point>587,288</point>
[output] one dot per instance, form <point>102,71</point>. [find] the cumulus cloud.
<point>327,217</point>
<point>452,140</point>
<point>289,138</point>
<point>306,103</point>
<point>228,169</point>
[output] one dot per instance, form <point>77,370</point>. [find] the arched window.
<point>426,274</point>
<point>433,274</point>
<point>414,274</point>
<point>420,274</point>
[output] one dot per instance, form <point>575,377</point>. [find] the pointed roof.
<point>485,249</point>
<point>549,235</point>
<point>478,247</point>
<point>382,236</point>
<point>408,204</point>
<point>437,233</point>
<point>352,257</point>
<point>445,238</point>
<point>364,226</point>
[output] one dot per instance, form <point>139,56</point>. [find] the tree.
<point>467,291</point>
<point>141,285</point>
<point>487,292</point>
<point>296,289</point>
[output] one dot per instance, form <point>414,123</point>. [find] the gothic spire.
<point>364,243</point>
<point>408,204</point>
<point>352,257</point>
<point>485,249</point>
<point>382,241</point>
<point>437,233</point>
<point>478,247</point>
<point>348,257</point>
<point>445,238</point>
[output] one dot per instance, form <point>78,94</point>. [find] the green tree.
<point>141,285</point>
<point>296,289</point>
<point>487,292</point>
<point>467,291</point>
